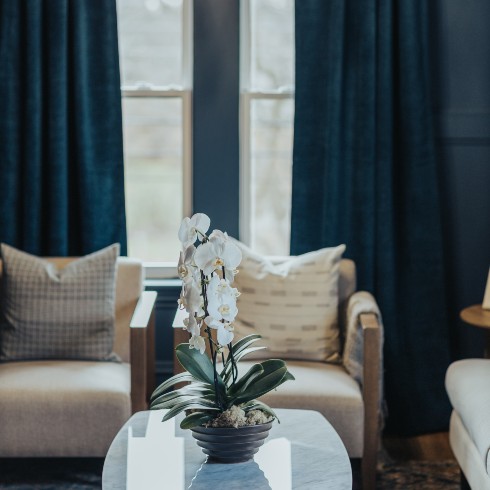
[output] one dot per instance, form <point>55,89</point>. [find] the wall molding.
<point>463,141</point>
<point>463,128</point>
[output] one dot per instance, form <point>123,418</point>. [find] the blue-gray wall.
<point>215,112</point>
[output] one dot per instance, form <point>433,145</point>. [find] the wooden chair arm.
<point>142,351</point>
<point>371,395</point>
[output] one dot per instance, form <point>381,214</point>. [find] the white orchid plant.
<point>207,267</point>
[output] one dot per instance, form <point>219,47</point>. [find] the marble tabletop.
<point>302,452</point>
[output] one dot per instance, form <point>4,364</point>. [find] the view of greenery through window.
<point>150,44</point>
<point>271,161</point>
<point>271,83</point>
<point>151,57</point>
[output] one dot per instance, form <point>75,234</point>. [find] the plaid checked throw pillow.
<point>50,313</point>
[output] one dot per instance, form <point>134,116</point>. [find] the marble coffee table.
<point>302,452</point>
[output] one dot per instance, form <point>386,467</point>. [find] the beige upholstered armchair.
<point>468,387</point>
<point>347,394</point>
<point>57,408</point>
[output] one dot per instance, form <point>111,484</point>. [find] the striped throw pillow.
<point>293,304</point>
<point>58,314</point>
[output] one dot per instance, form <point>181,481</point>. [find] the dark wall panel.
<point>463,46</point>
<point>467,212</point>
<point>461,77</point>
<point>215,112</point>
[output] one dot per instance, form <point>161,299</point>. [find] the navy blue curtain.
<point>61,161</point>
<point>364,174</point>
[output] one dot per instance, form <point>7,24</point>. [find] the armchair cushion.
<point>62,408</point>
<point>51,313</point>
<point>293,304</point>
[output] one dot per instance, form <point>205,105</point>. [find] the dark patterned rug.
<point>426,475</point>
<point>85,474</point>
<point>51,474</point>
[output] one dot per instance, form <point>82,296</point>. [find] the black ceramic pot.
<point>230,445</point>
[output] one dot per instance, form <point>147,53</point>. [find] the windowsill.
<point>162,283</point>
<point>161,274</point>
<point>160,270</point>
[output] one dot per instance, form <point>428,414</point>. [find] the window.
<point>155,39</point>
<point>266,123</point>
<point>155,55</point>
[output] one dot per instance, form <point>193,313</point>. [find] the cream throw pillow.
<point>292,304</point>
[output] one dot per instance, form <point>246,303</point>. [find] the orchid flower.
<point>190,298</point>
<point>216,253</point>
<point>221,299</point>
<point>191,325</point>
<point>186,268</point>
<point>193,228</point>
<point>224,330</point>
<point>197,342</point>
<point>196,264</point>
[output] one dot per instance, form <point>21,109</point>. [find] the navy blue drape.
<point>61,161</point>
<point>364,174</point>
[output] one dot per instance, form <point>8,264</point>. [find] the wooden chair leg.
<point>368,470</point>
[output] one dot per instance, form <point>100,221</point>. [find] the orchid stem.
<point>234,369</point>
<point>211,342</point>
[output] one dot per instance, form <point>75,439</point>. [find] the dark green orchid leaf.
<point>178,378</point>
<point>197,364</point>
<point>261,386</point>
<point>271,365</point>
<point>194,403</point>
<point>187,391</point>
<point>169,404</point>
<point>226,374</point>
<point>274,375</point>
<point>228,371</point>
<point>246,379</point>
<point>245,342</point>
<point>241,345</point>
<point>195,419</point>
<point>248,351</point>
<point>193,389</point>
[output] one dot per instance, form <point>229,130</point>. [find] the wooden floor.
<point>430,447</point>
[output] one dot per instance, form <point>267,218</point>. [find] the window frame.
<point>247,95</point>
<point>164,270</point>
